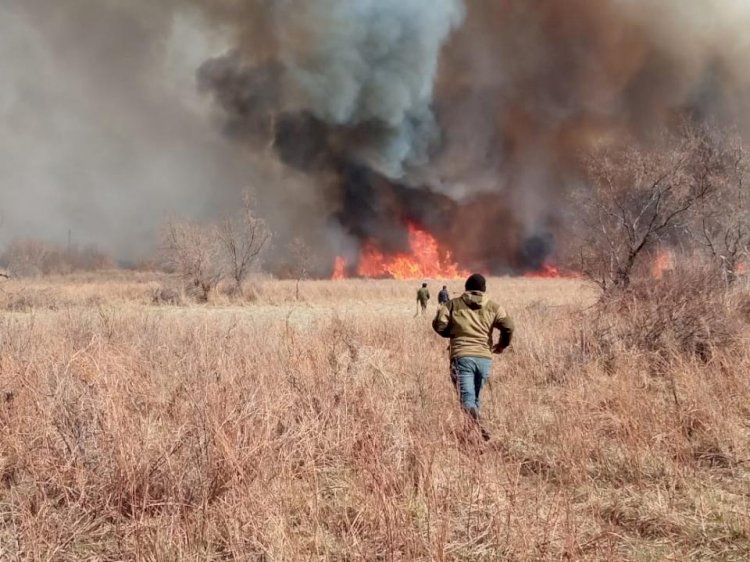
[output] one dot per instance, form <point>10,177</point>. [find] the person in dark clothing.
<point>443,296</point>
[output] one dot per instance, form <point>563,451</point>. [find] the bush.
<point>30,299</point>
<point>191,250</point>
<point>204,255</point>
<point>34,258</point>
<point>166,296</point>
<point>686,314</point>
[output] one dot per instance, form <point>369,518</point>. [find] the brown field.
<point>324,427</point>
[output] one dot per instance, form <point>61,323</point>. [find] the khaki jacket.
<point>469,322</point>
<point>423,295</point>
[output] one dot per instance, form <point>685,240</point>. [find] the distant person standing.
<point>469,321</point>
<point>443,296</point>
<point>423,297</point>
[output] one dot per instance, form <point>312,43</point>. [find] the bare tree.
<point>192,250</point>
<point>301,262</point>
<point>636,197</point>
<point>723,224</point>
<point>242,240</point>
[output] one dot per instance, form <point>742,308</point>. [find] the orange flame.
<point>548,271</point>
<point>426,260</point>
<point>663,263</point>
<point>339,269</point>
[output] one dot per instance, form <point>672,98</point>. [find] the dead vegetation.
<point>287,432</point>
<point>206,254</point>
<point>167,296</point>
<point>689,313</point>
<point>35,258</point>
<point>684,193</point>
<point>301,419</point>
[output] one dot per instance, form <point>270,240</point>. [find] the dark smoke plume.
<point>350,118</point>
<point>351,79</point>
<point>482,152</point>
<point>527,86</point>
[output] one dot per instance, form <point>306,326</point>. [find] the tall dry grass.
<point>325,428</point>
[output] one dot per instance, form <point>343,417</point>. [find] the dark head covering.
<point>476,282</point>
<point>424,284</point>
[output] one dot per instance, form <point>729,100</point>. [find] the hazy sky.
<point>102,130</point>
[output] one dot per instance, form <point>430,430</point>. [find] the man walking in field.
<point>443,296</point>
<point>423,297</point>
<point>469,321</point>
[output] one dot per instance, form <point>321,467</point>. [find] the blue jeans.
<point>469,375</point>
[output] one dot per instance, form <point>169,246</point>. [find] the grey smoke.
<point>102,131</point>
<point>365,69</point>
<point>468,117</point>
<point>371,62</point>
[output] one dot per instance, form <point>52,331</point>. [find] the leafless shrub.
<point>26,299</point>
<point>253,292</point>
<point>686,194</point>
<point>206,254</point>
<point>166,296</point>
<point>90,258</point>
<point>27,258</point>
<point>192,250</point>
<point>300,262</point>
<point>683,315</point>
<point>34,258</point>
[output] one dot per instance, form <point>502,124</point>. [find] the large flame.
<point>425,260</point>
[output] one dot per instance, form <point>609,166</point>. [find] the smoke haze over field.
<point>348,117</point>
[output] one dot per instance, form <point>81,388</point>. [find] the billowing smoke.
<point>349,118</point>
<point>526,86</point>
<point>481,152</point>
<point>366,68</point>
<point>345,96</point>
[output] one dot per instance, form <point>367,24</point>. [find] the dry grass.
<point>325,428</point>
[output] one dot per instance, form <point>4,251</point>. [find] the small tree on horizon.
<point>191,250</point>
<point>301,263</point>
<point>242,239</point>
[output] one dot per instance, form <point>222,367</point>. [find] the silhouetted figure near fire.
<point>443,296</point>
<point>469,321</point>
<point>423,297</point>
